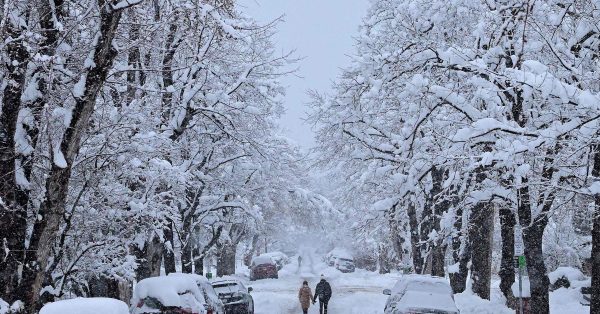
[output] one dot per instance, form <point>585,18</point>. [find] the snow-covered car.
<point>341,259</point>
<point>262,267</point>
<point>87,306</point>
<point>345,265</point>
<point>235,296</point>
<point>168,295</point>
<point>213,305</point>
<point>279,258</point>
<point>420,294</point>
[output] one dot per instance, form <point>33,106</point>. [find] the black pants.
<point>323,306</point>
<point>305,311</point>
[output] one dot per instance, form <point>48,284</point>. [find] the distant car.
<point>345,265</point>
<point>262,267</point>
<point>235,296</point>
<point>86,305</point>
<point>420,294</point>
<point>341,259</point>
<point>279,258</point>
<point>213,304</point>
<point>168,295</point>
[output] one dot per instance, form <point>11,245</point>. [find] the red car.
<point>263,267</point>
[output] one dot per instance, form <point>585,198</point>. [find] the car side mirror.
<point>387,291</point>
<point>250,289</point>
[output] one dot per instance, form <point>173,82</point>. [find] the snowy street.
<point>361,292</point>
<point>353,293</point>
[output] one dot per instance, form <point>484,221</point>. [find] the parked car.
<point>341,259</point>
<point>262,267</point>
<point>213,304</point>
<point>345,265</point>
<point>168,295</point>
<point>279,258</point>
<point>86,305</point>
<point>235,296</point>
<point>420,294</point>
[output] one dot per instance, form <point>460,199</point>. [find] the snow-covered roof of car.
<point>86,306</point>
<point>197,278</point>
<point>422,283</point>
<point>341,253</point>
<point>412,300</point>
<point>167,289</point>
<point>262,259</point>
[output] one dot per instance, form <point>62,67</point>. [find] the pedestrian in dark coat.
<point>305,296</point>
<point>323,292</point>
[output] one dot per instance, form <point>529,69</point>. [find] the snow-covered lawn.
<point>361,292</point>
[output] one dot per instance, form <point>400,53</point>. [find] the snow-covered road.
<point>353,293</point>
<point>361,292</point>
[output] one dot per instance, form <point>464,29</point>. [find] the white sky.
<point>322,32</point>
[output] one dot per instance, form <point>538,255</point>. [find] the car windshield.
<point>226,287</point>
<point>346,260</point>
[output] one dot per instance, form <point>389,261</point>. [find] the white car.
<point>420,294</point>
<point>168,294</point>
<point>340,259</point>
<point>87,306</point>
<point>213,305</point>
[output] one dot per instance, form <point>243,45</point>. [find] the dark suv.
<point>263,267</point>
<point>235,296</point>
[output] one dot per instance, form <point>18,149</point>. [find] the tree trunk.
<point>460,250</point>
<point>533,231</point>
<point>532,238</point>
<point>186,258</point>
<point>169,248</point>
<point>198,260</point>
<point>481,228</point>
<point>226,259</point>
<point>154,256</point>
<point>595,303</point>
<point>396,233</point>
<point>250,253</point>
<point>384,261</point>
<point>13,217</point>
<point>52,208</point>
<point>414,238</point>
<point>507,269</point>
<point>480,235</point>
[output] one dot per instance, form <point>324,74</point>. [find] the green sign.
<point>522,263</point>
<point>209,275</point>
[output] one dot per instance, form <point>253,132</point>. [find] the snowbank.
<point>86,306</point>
<point>4,306</point>
<point>469,303</point>
<point>565,300</point>
<point>572,274</point>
